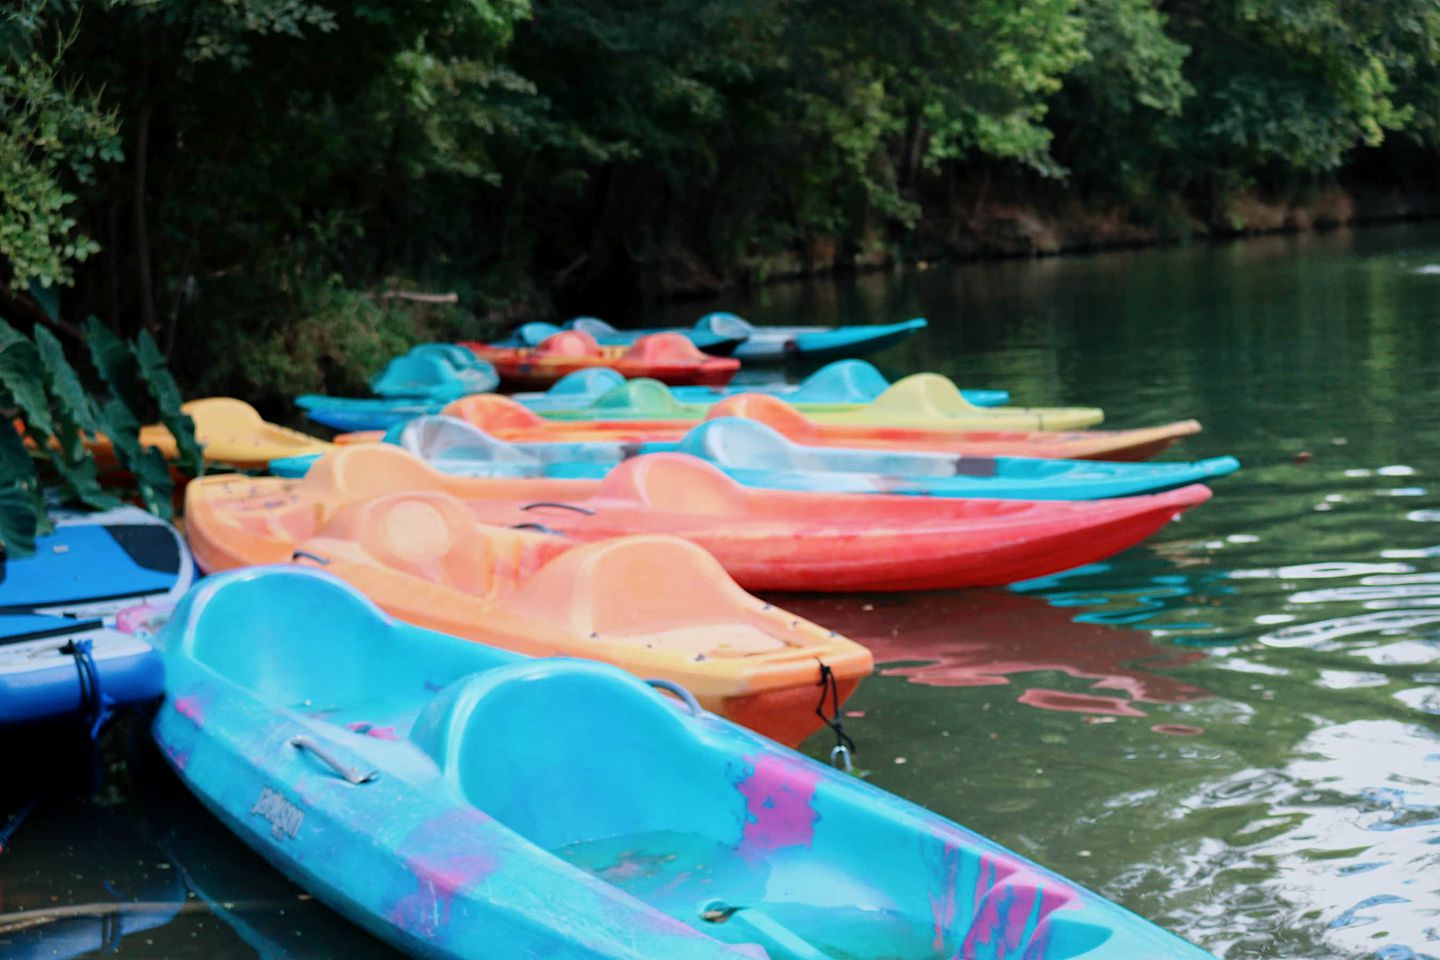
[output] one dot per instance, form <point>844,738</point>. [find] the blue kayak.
<point>450,797</point>
<point>420,381</point>
<point>93,564</point>
<point>46,670</point>
<point>537,332</point>
<point>756,455</point>
<point>843,381</point>
<point>771,344</point>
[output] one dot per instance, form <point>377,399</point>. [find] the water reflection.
<point>996,637</point>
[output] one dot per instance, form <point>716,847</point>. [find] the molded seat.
<point>772,411</point>
<point>661,348</point>
<point>441,371</point>
<point>569,343</point>
<point>641,395</point>
<point>592,381</point>
<point>438,439</point>
<point>726,325</point>
<point>675,483</point>
<point>844,381</point>
<point>434,537</point>
<point>594,326</point>
<point>494,413</point>
<point>749,445</point>
<point>647,591</point>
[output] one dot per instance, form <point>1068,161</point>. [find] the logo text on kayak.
<point>284,817</point>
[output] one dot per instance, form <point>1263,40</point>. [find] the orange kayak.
<point>505,419</point>
<point>667,357</point>
<point>655,605</point>
<point>765,539</point>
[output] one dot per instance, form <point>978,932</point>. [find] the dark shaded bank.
<point>1004,218</point>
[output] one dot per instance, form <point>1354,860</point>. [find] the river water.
<point>1233,730</point>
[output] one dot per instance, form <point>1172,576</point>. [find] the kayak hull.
<point>506,420</point>
<point>765,539</point>
<point>364,413</point>
<point>385,805</point>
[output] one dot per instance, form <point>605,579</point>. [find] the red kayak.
<point>790,540</point>
<point>668,357</point>
<point>505,419</point>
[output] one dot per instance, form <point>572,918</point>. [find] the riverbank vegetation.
<point>263,184</point>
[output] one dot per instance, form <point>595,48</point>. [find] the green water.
<point>1233,730</point>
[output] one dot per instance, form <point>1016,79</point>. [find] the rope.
<point>830,690</point>
<point>93,701</point>
<point>96,708</point>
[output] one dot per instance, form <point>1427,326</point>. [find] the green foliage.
<point>285,161</point>
<point>56,414</point>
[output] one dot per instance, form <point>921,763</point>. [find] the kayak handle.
<point>686,697</point>
<point>537,527</point>
<point>349,773</point>
<point>559,506</point>
<point>307,555</point>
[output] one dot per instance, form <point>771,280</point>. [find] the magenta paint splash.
<point>779,794</point>
<point>370,730</point>
<point>1003,916</point>
<point>191,708</point>
<point>440,872</point>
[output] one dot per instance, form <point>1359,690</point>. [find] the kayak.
<point>769,344</point>
<point>654,605</point>
<point>436,371</point>
<point>844,381</point>
<point>93,564</point>
<point>924,401</point>
<point>55,666</point>
<point>365,413</point>
<point>449,796</point>
<point>420,381</point>
<point>537,332</point>
<point>840,381</point>
<point>504,418</point>
<point>755,455</point>
<point>667,357</point>
<point>229,431</point>
<point>765,539</point>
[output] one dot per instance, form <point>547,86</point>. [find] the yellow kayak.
<point>924,401</point>
<point>229,431</point>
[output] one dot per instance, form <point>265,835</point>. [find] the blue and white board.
<point>41,678</point>
<point>94,564</point>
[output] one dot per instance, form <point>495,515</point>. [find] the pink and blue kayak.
<point>451,797</point>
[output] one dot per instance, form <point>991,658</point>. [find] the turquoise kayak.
<point>418,382</point>
<point>756,455</point>
<point>733,335</point>
<point>843,381</point>
<point>771,344</point>
<point>537,332</point>
<point>449,797</point>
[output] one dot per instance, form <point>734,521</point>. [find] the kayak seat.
<point>640,395</point>
<point>533,334</point>
<point>438,438</point>
<point>646,591</point>
<point>566,750</point>
<point>772,411</point>
<point>844,381</point>
<point>591,381</point>
<point>923,395</point>
<point>434,537</point>
<point>493,413</point>
<point>351,661</point>
<point>748,445</point>
<point>594,326</point>
<point>363,470</point>
<point>569,343</point>
<point>665,348</point>
<point>675,483</point>
<point>729,325</point>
